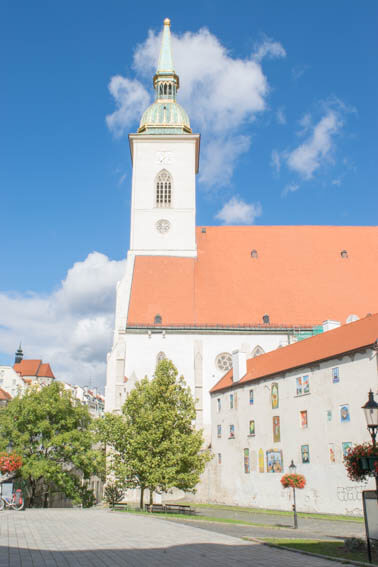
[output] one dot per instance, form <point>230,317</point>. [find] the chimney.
<point>239,365</point>
<point>329,325</point>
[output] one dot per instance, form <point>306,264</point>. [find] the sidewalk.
<point>307,527</point>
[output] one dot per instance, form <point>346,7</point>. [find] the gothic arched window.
<point>163,189</point>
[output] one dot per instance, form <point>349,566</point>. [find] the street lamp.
<point>371,416</point>
<point>293,469</point>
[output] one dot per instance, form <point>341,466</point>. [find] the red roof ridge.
<point>328,344</point>
<point>4,395</point>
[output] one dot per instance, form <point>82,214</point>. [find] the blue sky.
<point>290,139</point>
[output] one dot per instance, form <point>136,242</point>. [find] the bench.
<point>170,508</point>
<point>120,506</point>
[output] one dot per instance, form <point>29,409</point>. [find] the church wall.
<point>328,489</point>
<point>194,355</point>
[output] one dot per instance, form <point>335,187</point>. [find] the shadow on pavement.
<point>196,555</point>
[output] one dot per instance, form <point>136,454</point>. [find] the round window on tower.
<point>224,361</point>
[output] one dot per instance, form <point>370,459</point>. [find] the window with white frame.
<point>219,405</point>
<point>163,189</point>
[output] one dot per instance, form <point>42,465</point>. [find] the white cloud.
<point>221,94</point>
<point>270,49</point>
<point>237,211</point>
<point>219,158</point>
<point>281,116</point>
<point>290,188</point>
<point>72,327</point>
<point>317,148</point>
<point>275,161</point>
<point>131,100</point>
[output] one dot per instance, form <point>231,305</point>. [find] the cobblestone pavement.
<point>98,538</point>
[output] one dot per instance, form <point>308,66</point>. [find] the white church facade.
<point>196,294</point>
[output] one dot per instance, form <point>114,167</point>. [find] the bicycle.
<point>16,502</point>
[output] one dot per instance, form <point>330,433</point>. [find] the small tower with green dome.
<point>165,156</point>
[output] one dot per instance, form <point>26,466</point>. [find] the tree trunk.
<point>151,496</point>
<point>32,495</point>
<point>141,497</point>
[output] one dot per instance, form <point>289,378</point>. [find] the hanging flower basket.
<point>362,462</point>
<point>9,463</point>
<point>293,481</point>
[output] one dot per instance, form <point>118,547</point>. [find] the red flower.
<point>293,480</point>
<point>9,462</point>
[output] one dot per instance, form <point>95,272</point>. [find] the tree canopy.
<point>153,443</point>
<point>52,433</point>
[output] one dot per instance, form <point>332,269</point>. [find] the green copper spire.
<point>165,115</point>
<point>165,64</point>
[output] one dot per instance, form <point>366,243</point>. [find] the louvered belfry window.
<point>163,189</point>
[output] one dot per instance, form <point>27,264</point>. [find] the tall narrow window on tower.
<point>163,189</point>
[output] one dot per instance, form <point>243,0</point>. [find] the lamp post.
<point>371,416</point>
<point>293,469</point>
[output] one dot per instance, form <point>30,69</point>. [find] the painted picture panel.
<point>306,384</point>
<point>231,401</point>
<point>305,452</point>
<point>261,460</point>
<point>274,461</point>
<point>335,375</point>
<point>274,395</point>
<point>299,385</point>
<point>346,445</point>
<point>251,397</point>
<point>252,427</point>
<point>332,453</point>
<point>276,429</point>
<point>304,422</point>
<point>246,461</point>
<point>232,432</point>
<point>219,431</point>
<point>344,413</point>
<point>329,415</point>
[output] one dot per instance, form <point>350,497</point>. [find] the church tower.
<point>165,155</point>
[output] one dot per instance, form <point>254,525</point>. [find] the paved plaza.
<point>99,538</point>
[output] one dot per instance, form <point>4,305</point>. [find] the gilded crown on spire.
<point>165,115</point>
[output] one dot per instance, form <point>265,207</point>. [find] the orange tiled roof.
<point>333,343</point>
<point>27,367</point>
<point>4,395</point>
<point>299,277</point>
<point>45,371</point>
<point>34,368</point>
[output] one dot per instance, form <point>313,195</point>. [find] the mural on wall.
<point>261,460</point>
<point>344,413</point>
<point>252,427</point>
<point>219,431</point>
<point>276,429</point>
<point>305,452</point>
<point>346,445</point>
<point>274,461</point>
<point>251,397</point>
<point>246,461</point>
<point>306,384</point>
<point>232,431</point>
<point>274,395</point>
<point>299,385</point>
<point>304,422</point>
<point>335,375</point>
<point>332,453</point>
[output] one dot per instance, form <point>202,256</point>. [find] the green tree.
<point>52,433</point>
<point>153,443</point>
